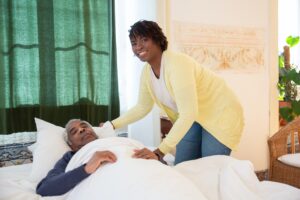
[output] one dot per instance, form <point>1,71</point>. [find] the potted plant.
<point>289,83</point>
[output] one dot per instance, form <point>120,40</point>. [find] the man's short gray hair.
<point>68,128</point>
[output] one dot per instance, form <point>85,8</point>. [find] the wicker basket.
<point>282,143</point>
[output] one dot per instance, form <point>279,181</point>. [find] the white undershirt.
<point>160,89</point>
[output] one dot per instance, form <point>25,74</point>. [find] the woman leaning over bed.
<point>206,115</point>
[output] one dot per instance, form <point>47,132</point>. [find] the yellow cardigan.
<point>200,96</point>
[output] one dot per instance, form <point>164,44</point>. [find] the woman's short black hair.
<point>151,30</point>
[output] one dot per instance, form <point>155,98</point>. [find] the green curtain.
<point>58,61</point>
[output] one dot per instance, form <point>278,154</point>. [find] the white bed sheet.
<point>16,171</point>
<point>206,174</point>
<point>15,184</point>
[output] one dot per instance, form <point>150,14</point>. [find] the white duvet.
<point>227,178</point>
<point>129,178</point>
<point>212,178</point>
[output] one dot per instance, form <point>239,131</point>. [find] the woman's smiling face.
<point>145,48</point>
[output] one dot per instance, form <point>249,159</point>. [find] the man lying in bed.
<point>57,181</point>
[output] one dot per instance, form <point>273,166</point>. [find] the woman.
<point>207,117</point>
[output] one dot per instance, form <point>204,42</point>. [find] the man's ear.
<point>71,145</point>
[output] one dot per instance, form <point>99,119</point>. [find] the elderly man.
<point>78,134</point>
<point>57,181</point>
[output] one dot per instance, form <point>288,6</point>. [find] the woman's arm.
<point>141,109</point>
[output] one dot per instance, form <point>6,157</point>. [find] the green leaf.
<point>292,41</point>
<point>296,107</point>
<point>281,61</point>
<point>283,72</point>
<point>293,75</point>
<point>281,97</point>
<point>286,113</point>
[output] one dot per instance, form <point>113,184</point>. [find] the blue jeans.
<point>198,143</point>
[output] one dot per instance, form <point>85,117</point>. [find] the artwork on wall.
<point>221,48</point>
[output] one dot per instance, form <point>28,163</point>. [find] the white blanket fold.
<point>226,178</point>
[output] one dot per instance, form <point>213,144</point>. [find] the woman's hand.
<point>99,158</point>
<point>144,153</point>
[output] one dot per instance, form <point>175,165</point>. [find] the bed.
<point>210,178</point>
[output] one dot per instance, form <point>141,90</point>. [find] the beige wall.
<point>255,89</point>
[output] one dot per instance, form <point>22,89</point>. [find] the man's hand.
<point>144,153</point>
<point>98,159</point>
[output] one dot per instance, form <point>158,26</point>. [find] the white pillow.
<point>291,159</point>
<point>107,130</point>
<point>50,146</point>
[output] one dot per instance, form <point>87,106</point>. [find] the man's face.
<point>79,134</point>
